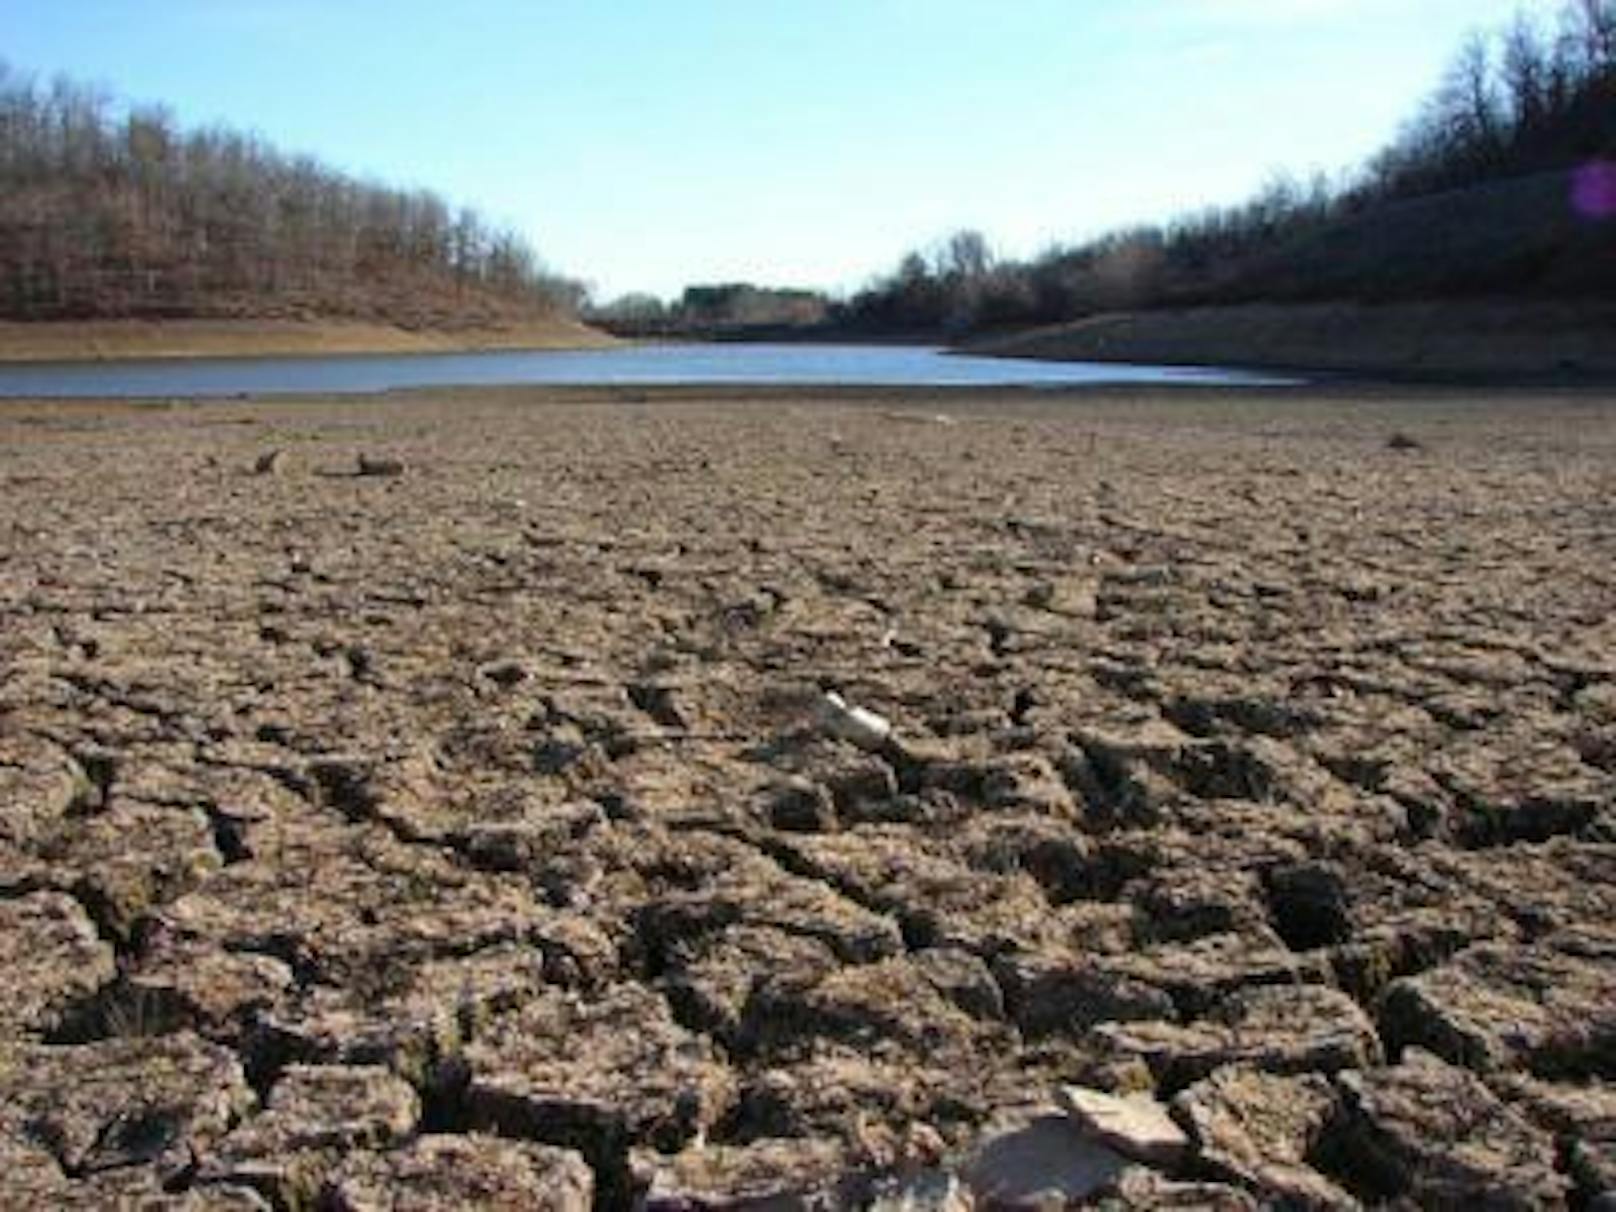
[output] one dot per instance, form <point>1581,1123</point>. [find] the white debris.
<point>862,727</point>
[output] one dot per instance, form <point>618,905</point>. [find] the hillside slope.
<point>1498,337</point>
<point>1522,236</point>
<point>110,212</point>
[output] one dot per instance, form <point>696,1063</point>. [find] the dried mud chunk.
<point>1198,973</point>
<point>963,979</point>
<point>1309,904</point>
<point>131,858</point>
<point>865,1004</point>
<point>754,891</point>
<point>798,806</point>
<point>52,959</point>
<point>1432,1134</point>
<point>828,1089</point>
<point>1409,912</point>
<point>156,1101</point>
<point>1260,1130</point>
<point>446,1173</point>
<point>1049,992</point>
<point>596,1074</point>
<point>39,784</point>
<point>315,1115</point>
<point>713,979</point>
<point>1067,864</point>
<point>1016,781</point>
<point>1562,884</point>
<point>1279,1030</point>
<point>1124,776</point>
<point>139,1190</point>
<point>938,901</point>
<point>1583,1120</point>
<point>1519,788</point>
<point>29,1175</point>
<point>410,1017</point>
<point>381,904</point>
<point>856,781</point>
<point>765,1173</point>
<point>217,994</point>
<point>1183,902</point>
<point>1548,1006</point>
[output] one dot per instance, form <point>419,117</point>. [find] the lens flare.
<point>1593,190</point>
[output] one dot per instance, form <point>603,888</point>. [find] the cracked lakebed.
<point>467,833</point>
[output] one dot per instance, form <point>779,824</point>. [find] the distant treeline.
<point>1477,195</point>
<point>737,308</point>
<point>108,211</point>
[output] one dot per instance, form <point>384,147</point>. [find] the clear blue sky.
<point>644,144</point>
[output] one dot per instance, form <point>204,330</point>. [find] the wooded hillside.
<point>1502,183</point>
<point>112,211</point>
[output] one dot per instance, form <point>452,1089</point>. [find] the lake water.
<point>862,365</point>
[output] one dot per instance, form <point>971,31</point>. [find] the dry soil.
<point>476,827</point>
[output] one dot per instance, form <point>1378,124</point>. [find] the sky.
<point>642,145</point>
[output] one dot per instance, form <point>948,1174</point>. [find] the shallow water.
<point>863,365</point>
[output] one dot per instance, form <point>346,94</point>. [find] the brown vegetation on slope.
<point>110,212</point>
<point>1504,183</point>
<point>1502,337</point>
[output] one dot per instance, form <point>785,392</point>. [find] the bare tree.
<point>109,210</point>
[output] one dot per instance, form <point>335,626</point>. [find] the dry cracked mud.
<point>469,832</point>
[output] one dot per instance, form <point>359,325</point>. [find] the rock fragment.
<point>1037,1158</point>
<point>1136,1125</point>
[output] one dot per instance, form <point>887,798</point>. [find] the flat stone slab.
<point>1135,1125</point>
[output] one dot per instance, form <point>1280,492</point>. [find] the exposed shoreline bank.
<point>1426,339</point>
<point>118,340</point>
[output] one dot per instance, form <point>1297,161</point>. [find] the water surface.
<point>856,365</point>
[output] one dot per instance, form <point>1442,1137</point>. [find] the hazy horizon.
<point>650,147</point>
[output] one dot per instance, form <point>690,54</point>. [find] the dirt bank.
<point>1407,339</point>
<point>104,340</point>
<point>440,793</point>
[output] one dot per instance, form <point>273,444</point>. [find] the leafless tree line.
<point>1529,98</point>
<point>1532,99</point>
<point>115,211</point>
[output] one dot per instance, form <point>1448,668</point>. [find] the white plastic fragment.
<point>862,727</point>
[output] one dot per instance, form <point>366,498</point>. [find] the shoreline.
<point>1470,342</point>
<point>94,341</point>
